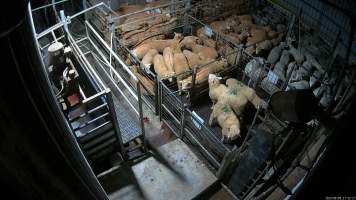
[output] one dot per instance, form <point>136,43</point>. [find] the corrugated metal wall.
<point>321,15</point>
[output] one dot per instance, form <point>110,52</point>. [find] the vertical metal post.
<point>285,84</point>
<point>115,122</point>
<point>157,95</point>
<point>182,119</point>
<point>63,19</point>
<point>228,159</point>
<point>259,77</point>
<point>138,85</point>
<point>192,89</point>
<point>244,143</point>
<point>160,96</point>
<point>84,3</point>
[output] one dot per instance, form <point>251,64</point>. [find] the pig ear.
<point>219,78</point>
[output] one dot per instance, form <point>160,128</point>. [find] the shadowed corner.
<point>122,183</point>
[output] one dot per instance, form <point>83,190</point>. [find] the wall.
<point>329,20</point>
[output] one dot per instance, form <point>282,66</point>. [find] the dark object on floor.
<point>297,106</point>
<point>252,159</point>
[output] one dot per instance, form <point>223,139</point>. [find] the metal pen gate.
<point>99,120</point>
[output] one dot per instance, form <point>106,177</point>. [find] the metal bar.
<point>115,122</point>
<point>157,99</point>
<point>340,103</point>
<point>141,114</point>
<point>88,112</point>
<point>171,114</point>
<point>60,24</point>
<point>45,32</point>
<point>48,5</point>
<point>91,98</point>
<point>82,92</point>
<point>47,45</point>
<point>182,120</point>
<point>113,70</point>
<point>254,182</point>
<point>194,75</point>
<point>226,162</point>
<point>86,68</point>
<point>117,87</point>
<point>81,55</point>
<point>110,50</point>
<point>206,152</point>
<point>244,143</point>
<point>160,103</point>
<point>54,36</point>
<point>97,128</point>
<point>91,121</point>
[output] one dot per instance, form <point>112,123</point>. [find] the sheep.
<point>249,93</point>
<point>299,74</point>
<point>219,92</point>
<point>237,101</point>
<point>251,49</point>
<point>169,60</point>
<point>274,54</point>
<point>310,58</point>
<point>192,58</point>
<point>263,46</point>
<point>227,52</point>
<point>205,39</point>
<point>159,45</point>
<point>233,37</point>
<point>142,50</point>
<point>209,43</point>
<point>232,21</point>
<point>272,34</point>
<point>291,66</point>
<point>268,86</point>
<point>307,65</point>
<point>225,117</point>
<point>281,28</point>
<point>216,89</point>
<point>147,60</point>
<point>134,38</point>
<point>201,33</point>
<point>189,41</point>
<point>245,19</point>
<point>254,69</point>
<point>157,37</point>
<point>280,71</point>
<point>180,66</point>
<point>204,52</point>
<point>257,35</point>
<point>299,85</point>
<point>285,58</point>
<point>148,85</point>
<point>297,55</point>
<point>160,66</point>
<point>220,26</point>
<point>180,63</point>
<point>204,72</point>
<point>266,28</point>
<point>277,39</point>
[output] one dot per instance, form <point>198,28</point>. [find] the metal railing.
<point>85,48</point>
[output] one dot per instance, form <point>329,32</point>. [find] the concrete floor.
<point>181,175</point>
